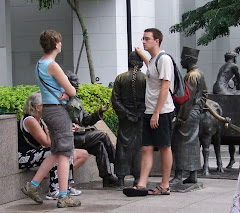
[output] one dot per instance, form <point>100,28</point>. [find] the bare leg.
<point>63,168</point>
<point>45,167</point>
<point>166,162</point>
<point>146,165</point>
<point>80,157</point>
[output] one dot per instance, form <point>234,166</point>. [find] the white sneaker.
<point>74,191</point>
<point>52,195</point>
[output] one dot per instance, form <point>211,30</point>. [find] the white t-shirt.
<point>153,84</point>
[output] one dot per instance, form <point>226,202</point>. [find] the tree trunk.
<point>86,40</point>
<point>90,61</point>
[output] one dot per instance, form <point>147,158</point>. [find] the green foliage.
<point>93,96</point>
<point>215,18</point>
<point>13,98</point>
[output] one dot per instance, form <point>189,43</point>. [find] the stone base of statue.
<point>230,107</point>
<point>128,182</point>
<point>186,187</point>
<point>229,173</point>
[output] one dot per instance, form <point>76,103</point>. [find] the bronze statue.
<point>228,83</point>
<point>185,141</point>
<point>231,150</point>
<point>228,79</point>
<point>94,141</point>
<point>128,100</point>
<point>210,129</point>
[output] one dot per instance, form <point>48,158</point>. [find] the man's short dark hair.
<point>157,34</point>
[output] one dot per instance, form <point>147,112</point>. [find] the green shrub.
<point>13,98</point>
<point>93,96</point>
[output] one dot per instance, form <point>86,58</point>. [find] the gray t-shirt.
<point>153,84</point>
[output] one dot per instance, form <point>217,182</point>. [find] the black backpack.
<point>180,93</point>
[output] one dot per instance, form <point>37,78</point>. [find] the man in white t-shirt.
<point>157,122</point>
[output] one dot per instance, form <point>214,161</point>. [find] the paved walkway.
<point>216,196</point>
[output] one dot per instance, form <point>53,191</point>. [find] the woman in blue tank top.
<point>57,119</point>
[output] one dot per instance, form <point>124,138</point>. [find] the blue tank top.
<point>47,97</point>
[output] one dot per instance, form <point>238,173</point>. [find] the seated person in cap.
<point>94,141</point>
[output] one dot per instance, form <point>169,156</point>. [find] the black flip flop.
<point>135,192</point>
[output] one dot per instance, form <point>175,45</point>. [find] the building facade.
<point>21,24</point>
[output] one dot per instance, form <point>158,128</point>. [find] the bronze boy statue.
<point>185,142</point>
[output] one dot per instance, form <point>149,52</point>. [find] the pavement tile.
<point>215,196</point>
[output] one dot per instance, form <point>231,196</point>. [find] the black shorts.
<point>162,135</point>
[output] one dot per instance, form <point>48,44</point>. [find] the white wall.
<point>5,45</point>
<point>185,6</point>
<point>211,57</point>
<point>143,17</point>
<point>106,22</point>
<point>167,14</point>
<point>9,76</point>
<point>27,24</point>
<point>121,38</point>
<point>100,19</point>
<point>107,27</point>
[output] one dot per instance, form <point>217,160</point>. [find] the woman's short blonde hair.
<point>33,100</point>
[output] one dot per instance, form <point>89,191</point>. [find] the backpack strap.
<point>156,64</point>
<point>157,59</point>
<point>164,53</point>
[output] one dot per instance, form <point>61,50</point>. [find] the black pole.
<point>129,26</point>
